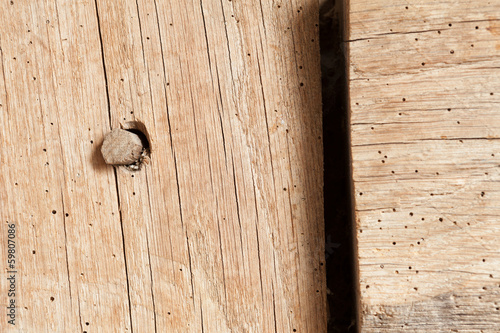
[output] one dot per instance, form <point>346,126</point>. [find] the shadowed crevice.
<point>339,245</point>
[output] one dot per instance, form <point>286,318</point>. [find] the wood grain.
<point>424,89</point>
<point>223,229</point>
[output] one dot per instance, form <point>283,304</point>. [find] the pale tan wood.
<point>70,268</point>
<point>424,86</point>
<point>223,229</point>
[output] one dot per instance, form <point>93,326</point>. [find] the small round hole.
<point>141,145</point>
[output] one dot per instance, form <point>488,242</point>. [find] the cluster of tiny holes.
<point>482,194</point>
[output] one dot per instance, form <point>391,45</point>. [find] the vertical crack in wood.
<point>149,255</point>
<point>206,40</point>
<point>103,63</point>
<point>267,123</point>
<point>59,26</point>
<point>151,277</point>
<point>260,264</point>
<point>66,251</point>
<point>209,164</point>
<point>290,186</point>
<point>258,240</point>
<point>263,20</point>
<point>164,81</point>
<point>115,172</point>
<point>274,309</point>
<point>79,312</point>
<point>237,207</point>
<point>192,105</point>
<point>190,270</point>
<point>221,110</point>
<point>295,55</point>
<point>4,80</point>
<point>142,40</point>
<point>201,315</point>
<point>222,260</point>
<point>194,119</point>
<point>63,215</point>
<point>124,252</point>
<point>146,174</point>
<point>227,41</point>
<point>178,191</point>
<point>218,225</point>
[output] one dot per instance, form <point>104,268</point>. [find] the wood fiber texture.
<point>424,84</point>
<point>223,230</point>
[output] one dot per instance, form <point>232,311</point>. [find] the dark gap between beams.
<point>339,248</point>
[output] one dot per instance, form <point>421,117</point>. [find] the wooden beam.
<point>223,229</point>
<point>424,89</point>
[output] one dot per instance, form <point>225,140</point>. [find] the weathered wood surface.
<point>424,82</point>
<point>223,230</point>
